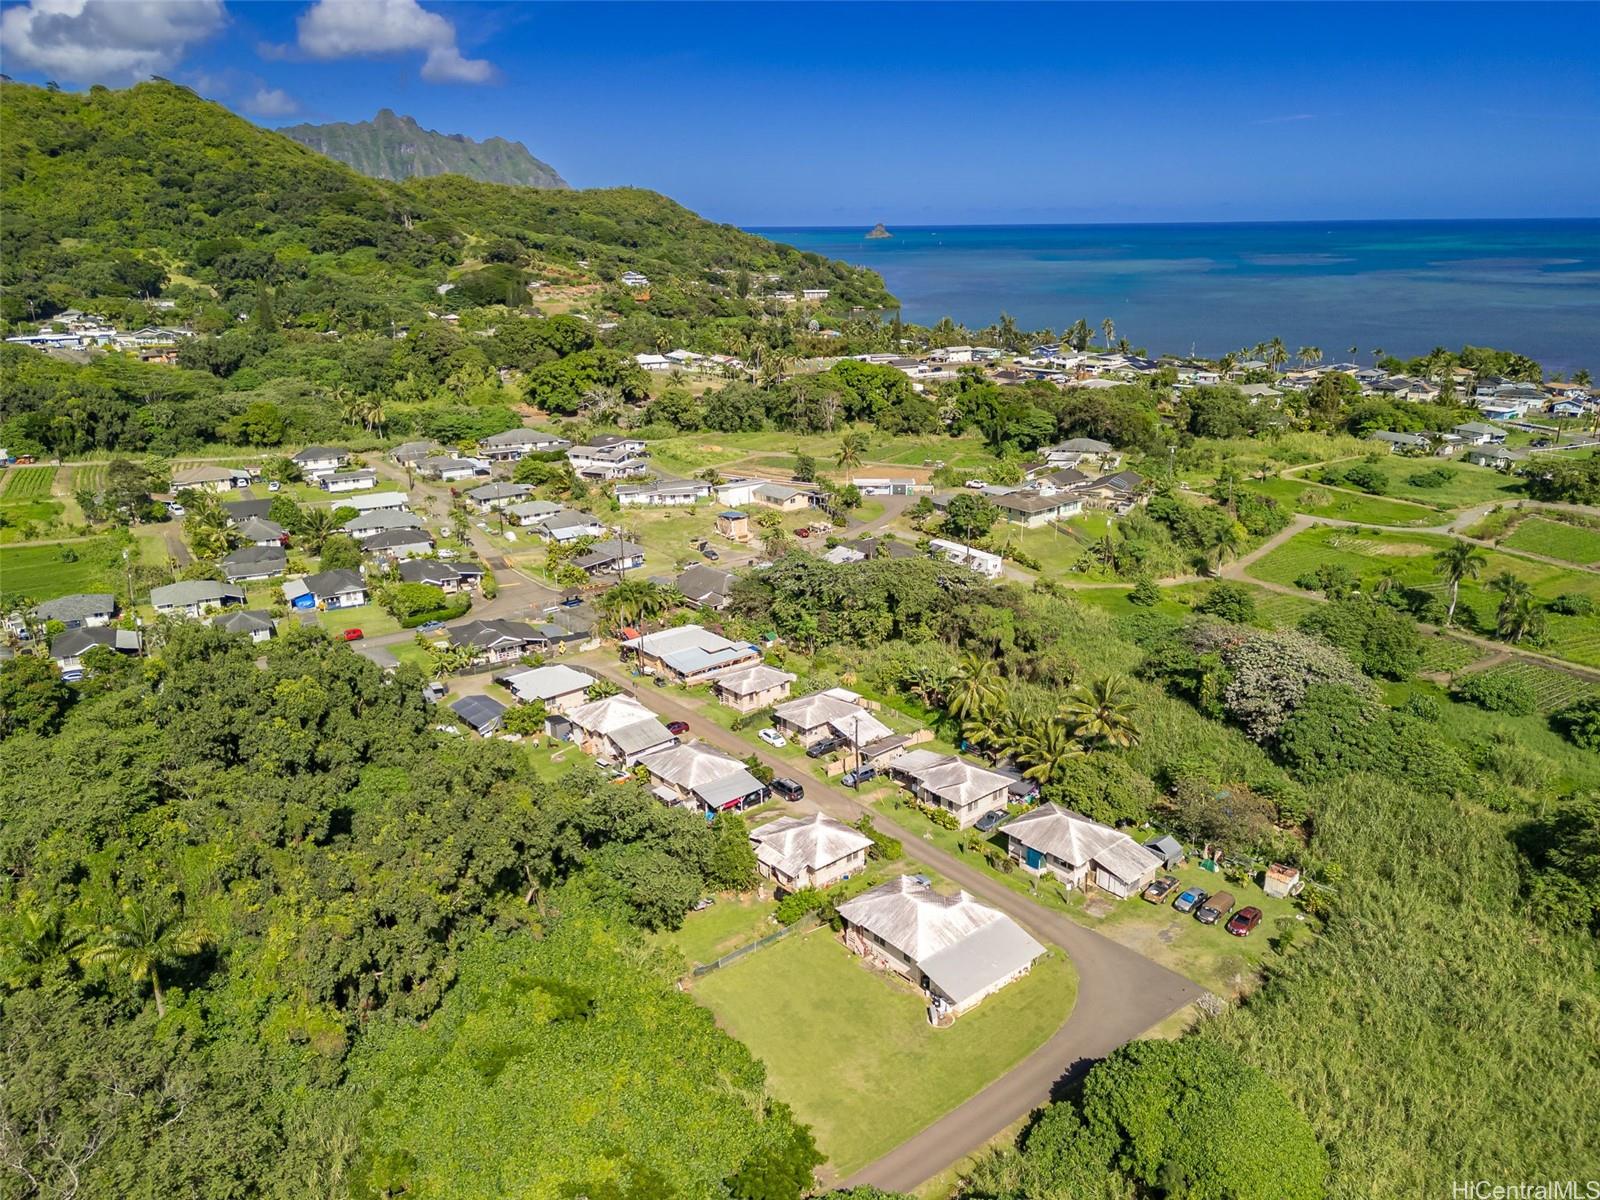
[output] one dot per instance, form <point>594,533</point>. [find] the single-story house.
<point>398,544</point>
<point>701,780</point>
<point>886,487</point>
<point>609,557</point>
<point>447,467</point>
<point>1078,451</point>
<point>210,479</point>
<point>243,510</point>
<point>565,525</point>
<point>663,493</point>
<point>609,457</point>
<point>1033,508</point>
<point>254,623</point>
<point>410,453</point>
<point>690,653</point>
<point>363,480</point>
<point>84,610</point>
<point>482,713</point>
<point>67,649</point>
<point>615,729</point>
<point>367,524</point>
<point>834,713</point>
<point>960,951</point>
<point>815,851</point>
<point>990,566</point>
<point>192,597</point>
<point>559,688</point>
<point>319,460</point>
<point>376,502</point>
<point>515,444</point>
<point>705,587</point>
<point>1401,443</point>
<point>961,788</point>
<point>531,512</point>
<point>255,562</point>
<point>258,531</point>
<point>1477,433</point>
<point>1078,851</point>
<point>1501,458</point>
<point>449,577</point>
<point>326,589</point>
<point>494,641</point>
<point>734,526</point>
<point>490,496</point>
<point>1119,492</point>
<point>749,689</point>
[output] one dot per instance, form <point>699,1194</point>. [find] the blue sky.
<point>915,114</point>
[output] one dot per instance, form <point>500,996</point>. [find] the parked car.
<point>1215,908</point>
<point>990,819</point>
<point>430,626</point>
<point>1243,921</point>
<point>353,635</point>
<point>859,776</point>
<point>273,485</point>
<point>823,746</point>
<point>803,531</point>
<point>1541,443</point>
<point>772,737</point>
<point>176,510</point>
<point>710,553</point>
<point>789,789</point>
<point>1191,899</point>
<point>1160,889</point>
<point>976,485</point>
<point>569,602</point>
<point>677,728</point>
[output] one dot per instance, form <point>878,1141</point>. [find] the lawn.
<point>1366,554</point>
<point>1319,501</point>
<point>1556,539</point>
<point>731,922</point>
<point>667,534</point>
<point>43,572</point>
<point>851,1050</point>
<point>369,618</point>
<point>1468,484</point>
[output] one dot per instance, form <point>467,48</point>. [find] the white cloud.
<point>271,102</point>
<point>356,28</point>
<point>105,41</point>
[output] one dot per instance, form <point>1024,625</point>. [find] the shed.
<point>483,713</point>
<point>1280,881</point>
<point>1168,848</point>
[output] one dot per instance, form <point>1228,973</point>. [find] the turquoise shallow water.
<point>1405,286</point>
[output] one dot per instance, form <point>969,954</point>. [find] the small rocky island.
<point>878,231</point>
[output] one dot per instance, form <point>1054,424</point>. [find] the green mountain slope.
<point>396,147</point>
<point>152,190</point>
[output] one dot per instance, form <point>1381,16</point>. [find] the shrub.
<point>1378,639</point>
<point>1145,592</point>
<point>1435,478</point>
<point>884,847</point>
<point>1334,580</point>
<point>448,613</point>
<point>1229,602</point>
<point>1496,691</point>
<point>1572,604</point>
<point>1579,723</point>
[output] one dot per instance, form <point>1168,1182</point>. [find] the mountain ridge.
<point>396,147</point>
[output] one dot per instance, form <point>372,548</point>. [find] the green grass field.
<point>43,573</point>
<point>1552,689</point>
<point>1318,501</point>
<point>27,483</point>
<point>1468,485</point>
<point>1576,639</point>
<point>1440,653</point>
<point>1556,539</point>
<point>851,1050</point>
<point>731,922</point>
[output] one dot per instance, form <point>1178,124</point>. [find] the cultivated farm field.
<point>1556,539</point>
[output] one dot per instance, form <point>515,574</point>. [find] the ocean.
<point>1403,286</point>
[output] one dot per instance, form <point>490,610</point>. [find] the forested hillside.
<point>154,191</point>
<point>394,147</point>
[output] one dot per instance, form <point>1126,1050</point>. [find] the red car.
<point>803,531</point>
<point>677,728</point>
<point>1243,921</point>
<point>353,635</point>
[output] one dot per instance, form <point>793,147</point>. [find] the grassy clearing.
<point>44,572</point>
<point>851,1050</point>
<point>1318,501</point>
<point>1468,484</point>
<point>1441,653</point>
<point>1556,539</point>
<point>369,618</point>
<point>731,922</point>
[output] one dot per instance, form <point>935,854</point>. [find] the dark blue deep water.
<point>1405,286</point>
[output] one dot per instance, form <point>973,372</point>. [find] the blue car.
<point>430,626</point>
<point>1188,901</point>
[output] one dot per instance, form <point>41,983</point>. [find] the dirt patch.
<point>1093,906</point>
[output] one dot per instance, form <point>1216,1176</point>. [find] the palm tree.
<point>1309,356</point>
<point>142,940</point>
<point>1277,353</point>
<point>1048,749</point>
<point>1226,545</point>
<point>1457,561</point>
<point>316,525</point>
<point>635,602</point>
<point>851,447</point>
<point>1101,713</point>
<point>1520,616</point>
<point>1108,329</point>
<point>1010,336</point>
<point>1388,581</point>
<point>975,687</point>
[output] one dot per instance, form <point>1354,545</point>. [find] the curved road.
<point>1121,994</point>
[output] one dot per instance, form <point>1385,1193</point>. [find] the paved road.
<point>1121,994</point>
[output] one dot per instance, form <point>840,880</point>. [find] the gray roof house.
<point>192,597</point>
<point>259,531</point>
<point>618,729</point>
<point>705,587</point>
<point>702,780</point>
<point>243,510</point>
<point>482,713</point>
<point>413,452</point>
<point>1400,443</point>
<point>558,687</point>
<point>610,557</point>
<point>965,950</point>
<point>494,641</point>
<point>751,687</point>
<point>438,573</point>
<point>1079,851</point>
<point>67,649</point>
<point>83,610</point>
<point>514,444</point>
<point>319,460</point>
<point>498,494</point>
<point>961,788</point>
<point>253,622</point>
<point>690,653</point>
<point>364,525</point>
<point>255,562</point>
<point>398,543</point>
<point>329,589</point>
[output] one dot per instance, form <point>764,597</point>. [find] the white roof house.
<point>750,688</point>
<point>982,561</point>
<point>814,851</point>
<point>967,950</point>
<point>702,780</point>
<point>961,788</point>
<point>557,687</point>
<point>832,713</point>
<point>619,728</point>
<point>1076,849</point>
<point>376,502</point>
<point>691,652</point>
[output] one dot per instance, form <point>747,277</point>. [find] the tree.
<point>1101,713</point>
<point>1457,561</point>
<point>525,719</point>
<point>141,941</point>
<point>33,697</point>
<point>1048,751</point>
<point>316,524</point>
<point>968,518</point>
<point>805,467</point>
<point>733,861</point>
<point>1108,330</point>
<point>1579,722</point>
<point>341,552</point>
<point>974,689</point>
<point>851,448</point>
<point>635,602</point>
<point>1229,602</point>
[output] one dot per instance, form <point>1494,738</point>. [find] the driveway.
<point>1121,994</point>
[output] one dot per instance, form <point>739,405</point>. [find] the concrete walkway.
<point>1121,994</point>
